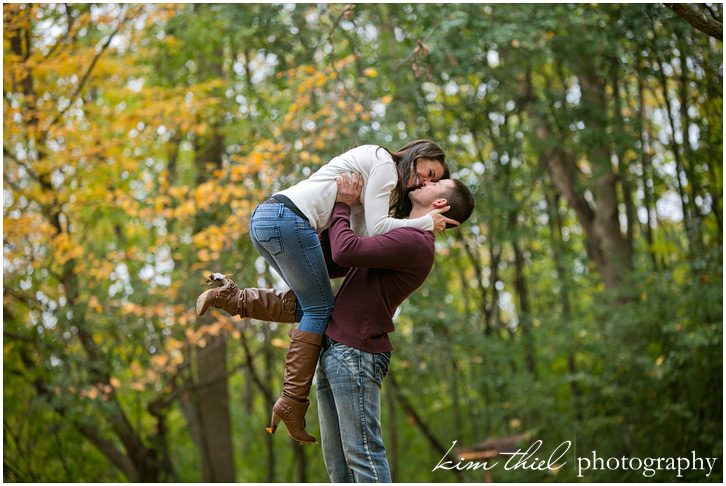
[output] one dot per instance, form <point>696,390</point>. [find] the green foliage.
<point>583,301</point>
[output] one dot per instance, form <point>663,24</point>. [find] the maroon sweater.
<point>380,272</point>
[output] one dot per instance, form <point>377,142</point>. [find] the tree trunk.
<point>604,181</point>
<point>392,442</point>
<point>213,402</point>
<point>495,253</point>
<point>604,241</point>
<point>623,163</point>
<point>269,402</point>
<point>302,462</point>
<point>646,178</point>
<point>455,397</point>
<point>555,224</point>
<point>470,252</point>
<point>525,320</point>
<point>687,221</point>
<point>562,169</point>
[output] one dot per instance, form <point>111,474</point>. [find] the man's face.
<point>429,192</point>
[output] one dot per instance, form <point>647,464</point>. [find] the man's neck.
<point>417,212</point>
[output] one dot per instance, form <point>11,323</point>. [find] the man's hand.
<point>349,192</point>
<point>440,221</point>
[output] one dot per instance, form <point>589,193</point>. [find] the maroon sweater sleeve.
<point>349,250</point>
<point>334,270</point>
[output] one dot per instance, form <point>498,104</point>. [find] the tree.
<point>55,282</point>
<point>692,15</point>
<point>584,295</point>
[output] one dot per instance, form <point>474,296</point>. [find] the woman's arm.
<point>381,183</point>
<point>392,250</point>
<point>398,249</point>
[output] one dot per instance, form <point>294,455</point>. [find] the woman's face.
<point>427,170</point>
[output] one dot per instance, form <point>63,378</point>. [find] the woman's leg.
<point>291,246</point>
<point>262,304</point>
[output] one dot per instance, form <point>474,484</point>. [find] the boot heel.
<point>274,423</point>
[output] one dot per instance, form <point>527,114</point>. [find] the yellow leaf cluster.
<point>203,334</point>
<point>65,250</point>
<point>345,61</point>
<point>210,242</point>
<point>94,303</point>
<point>280,343</point>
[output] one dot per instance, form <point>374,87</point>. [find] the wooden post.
<point>489,449</point>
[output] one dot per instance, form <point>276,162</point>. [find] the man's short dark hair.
<point>461,201</point>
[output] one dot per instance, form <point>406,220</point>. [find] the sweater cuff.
<point>345,207</point>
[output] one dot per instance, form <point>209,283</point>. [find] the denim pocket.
<point>269,238</point>
<point>344,353</point>
<point>383,361</point>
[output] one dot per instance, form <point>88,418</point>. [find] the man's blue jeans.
<point>290,245</point>
<point>349,407</point>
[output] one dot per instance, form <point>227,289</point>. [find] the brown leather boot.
<point>300,364</point>
<point>263,304</point>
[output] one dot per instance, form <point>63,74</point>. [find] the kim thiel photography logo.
<point>533,460</point>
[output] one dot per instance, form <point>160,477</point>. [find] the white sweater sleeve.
<point>381,182</point>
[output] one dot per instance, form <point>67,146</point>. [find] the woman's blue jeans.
<point>289,244</point>
<point>349,407</point>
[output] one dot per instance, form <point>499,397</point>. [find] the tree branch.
<point>9,433</point>
<point>9,153</point>
<point>403,61</point>
<point>253,370</point>
<point>156,409</point>
<point>105,446</point>
<point>67,33</point>
<point>344,14</point>
<point>98,55</point>
<point>697,19</point>
<point>411,411</point>
<point>109,449</point>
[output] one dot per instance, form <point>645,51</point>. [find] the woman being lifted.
<point>285,229</point>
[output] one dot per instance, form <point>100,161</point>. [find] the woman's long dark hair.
<point>406,159</point>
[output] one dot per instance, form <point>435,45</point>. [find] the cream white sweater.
<point>315,196</point>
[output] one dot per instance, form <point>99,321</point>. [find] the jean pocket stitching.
<point>344,358</point>
<point>265,243</point>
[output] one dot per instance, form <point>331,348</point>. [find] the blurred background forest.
<point>582,301</point>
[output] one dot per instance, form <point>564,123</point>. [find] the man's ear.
<point>440,203</point>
